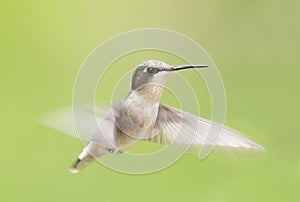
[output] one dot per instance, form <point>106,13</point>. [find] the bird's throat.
<point>147,95</point>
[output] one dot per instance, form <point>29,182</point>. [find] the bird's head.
<point>154,73</point>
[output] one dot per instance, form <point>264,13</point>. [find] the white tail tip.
<point>73,170</point>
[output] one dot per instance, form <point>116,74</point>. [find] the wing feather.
<point>87,119</point>
<point>182,130</point>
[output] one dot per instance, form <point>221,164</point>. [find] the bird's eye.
<point>151,70</point>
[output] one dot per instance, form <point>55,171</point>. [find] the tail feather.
<point>78,165</point>
<point>90,152</point>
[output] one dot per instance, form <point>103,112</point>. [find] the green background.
<point>255,45</point>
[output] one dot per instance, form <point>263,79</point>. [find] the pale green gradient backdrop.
<point>255,45</point>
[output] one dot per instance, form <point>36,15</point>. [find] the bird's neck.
<point>146,96</point>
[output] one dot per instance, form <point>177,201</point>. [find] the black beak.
<point>176,68</point>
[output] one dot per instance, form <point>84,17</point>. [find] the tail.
<point>78,165</point>
<point>83,159</point>
<point>90,152</point>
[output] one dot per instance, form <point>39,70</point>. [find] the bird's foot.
<point>111,150</point>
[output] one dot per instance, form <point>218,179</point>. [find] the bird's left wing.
<point>80,122</point>
<point>182,130</point>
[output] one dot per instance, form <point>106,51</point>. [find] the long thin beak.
<point>176,68</point>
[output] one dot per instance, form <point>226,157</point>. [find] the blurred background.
<point>255,45</point>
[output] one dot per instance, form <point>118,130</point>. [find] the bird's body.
<point>132,120</point>
<point>141,116</point>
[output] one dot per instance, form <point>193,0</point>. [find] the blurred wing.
<point>182,130</point>
<point>87,118</point>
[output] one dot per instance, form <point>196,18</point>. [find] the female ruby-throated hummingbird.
<point>141,116</point>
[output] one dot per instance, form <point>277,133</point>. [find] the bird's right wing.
<point>182,130</point>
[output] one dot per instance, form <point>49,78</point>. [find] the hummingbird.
<point>141,117</point>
